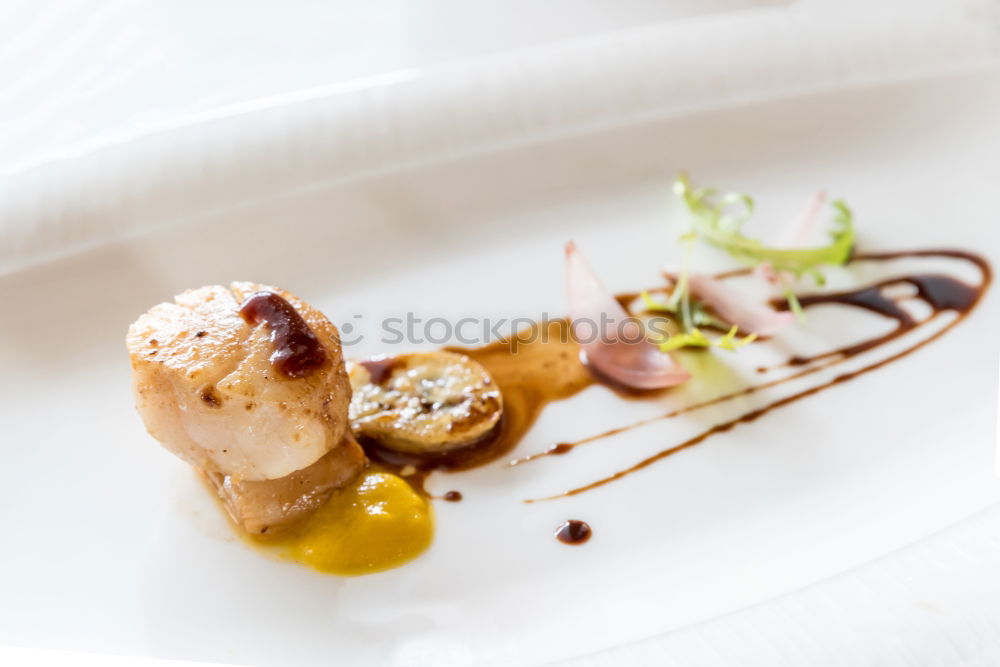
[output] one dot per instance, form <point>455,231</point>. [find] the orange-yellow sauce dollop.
<point>376,523</point>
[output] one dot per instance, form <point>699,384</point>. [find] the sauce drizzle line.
<point>940,292</point>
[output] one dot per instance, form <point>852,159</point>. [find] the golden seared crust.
<point>272,505</point>
<point>206,389</point>
<point>423,403</point>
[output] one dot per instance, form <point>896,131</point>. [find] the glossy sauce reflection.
<point>573,532</point>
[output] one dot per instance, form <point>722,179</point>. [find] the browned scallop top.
<point>209,385</point>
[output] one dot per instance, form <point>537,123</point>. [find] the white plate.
<point>112,545</point>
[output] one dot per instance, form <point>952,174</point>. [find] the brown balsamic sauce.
<point>297,351</point>
<point>573,532</point>
<point>732,273</point>
<point>380,368</point>
<point>542,364</point>
<point>453,496</point>
<point>461,458</point>
<point>941,293</point>
<point>535,367</point>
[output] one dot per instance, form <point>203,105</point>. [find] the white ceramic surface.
<point>339,130</point>
<point>80,73</point>
<point>110,544</point>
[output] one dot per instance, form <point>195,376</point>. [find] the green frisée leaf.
<point>652,304</point>
<point>695,301</point>
<point>794,305</point>
<point>696,338</point>
<point>718,220</point>
<point>699,316</point>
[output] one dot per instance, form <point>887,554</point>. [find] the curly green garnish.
<point>693,336</point>
<point>718,221</point>
<point>696,314</point>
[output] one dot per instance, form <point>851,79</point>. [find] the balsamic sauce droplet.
<point>573,531</point>
<point>453,496</point>
<point>297,351</point>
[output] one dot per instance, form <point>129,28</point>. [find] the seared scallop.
<point>207,386</point>
<point>423,403</point>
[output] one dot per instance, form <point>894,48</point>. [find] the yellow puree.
<point>377,523</point>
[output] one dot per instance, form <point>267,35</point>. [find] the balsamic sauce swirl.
<point>940,292</point>
<point>531,375</point>
<point>297,351</point>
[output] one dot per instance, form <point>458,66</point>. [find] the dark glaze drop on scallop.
<point>573,531</point>
<point>297,351</point>
<point>380,368</point>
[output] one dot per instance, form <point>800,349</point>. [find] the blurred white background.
<point>79,73</point>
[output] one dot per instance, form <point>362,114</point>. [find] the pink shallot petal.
<point>794,236</point>
<point>798,231</point>
<point>766,271</point>
<point>613,343</point>
<point>733,306</point>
